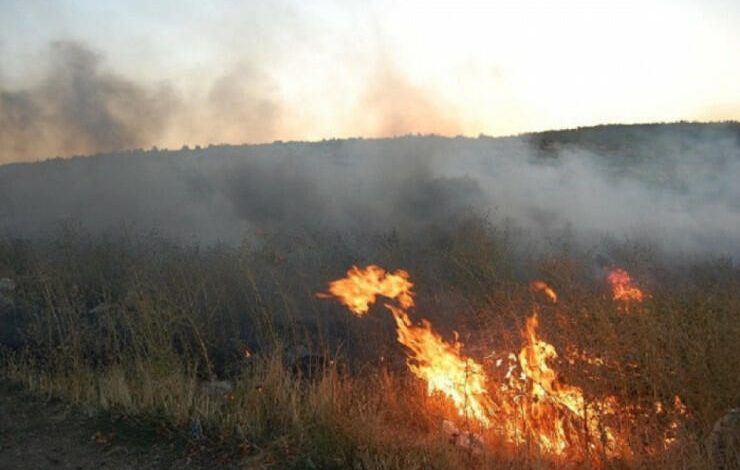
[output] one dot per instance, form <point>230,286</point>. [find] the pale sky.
<point>244,71</point>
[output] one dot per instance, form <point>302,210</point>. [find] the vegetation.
<point>151,329</point>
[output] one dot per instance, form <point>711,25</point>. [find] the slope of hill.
<point>552,245</point>
<point>672,183</point>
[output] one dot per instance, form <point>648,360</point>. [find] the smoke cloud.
<point>78,108</point>
<point>241,105</point>
<point>672,186</point>
<point>393,106</point>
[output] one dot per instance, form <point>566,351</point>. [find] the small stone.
<point>723,443</point>
<point>196,428</point>
<point>469,441</point>
<point>217,388</point>
<point>7,285</point>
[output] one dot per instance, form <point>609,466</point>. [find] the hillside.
<point>638,181</point>
<point>548,300</point>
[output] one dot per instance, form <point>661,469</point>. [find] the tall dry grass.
<point>142,326</point>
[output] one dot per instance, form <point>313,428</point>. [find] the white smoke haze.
<point>79,107</point>
<point>75,104</point>
<point>670,186</point>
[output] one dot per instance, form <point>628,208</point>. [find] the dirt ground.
<point>40,434</point>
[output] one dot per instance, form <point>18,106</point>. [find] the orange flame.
<point>574,355</point>
<point>622,288</point>
<point>528,405</point>
<point>442,366</point>
<point>541,286</point>
<point>557,415</point>
<point>439,363</point>
<point>360,288</point>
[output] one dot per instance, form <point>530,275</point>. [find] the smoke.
<point>670,186</point>
<point>674,186</point>
<point>78,108</point>
<point>393,106</point>
<point>239,106</point>
<point>347,186</point>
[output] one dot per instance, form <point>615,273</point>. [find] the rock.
<point>99,309</point>
<point>723,443</point>
<point>7,285</point>
<point>7,288</point>
<point>12,321</point>
<point>196,428</point>
<point>469,441</point>
<point>311,366</point>
<point>217,389</point>
<point>103,439</point>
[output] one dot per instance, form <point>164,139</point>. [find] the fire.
<point>541,286</point>
<point>529,404</point>
<point>360,288</point>
<point>557,416</point>
<point>439,363</point>
<point>574,355</point>
<point>622,288</point>
<point>545,386</point>
<point>442,366</point>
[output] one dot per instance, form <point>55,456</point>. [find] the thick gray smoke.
<point>673,186</point>
<point>79,109</point>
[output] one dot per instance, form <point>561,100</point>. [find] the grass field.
<point>230,345</point>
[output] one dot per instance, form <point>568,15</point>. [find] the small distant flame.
<point>574,355</point>
<point>622,288</point>
<point>247,353</point>
<point>543,287</point>
<point>360,288</point>
<point>671,431</point>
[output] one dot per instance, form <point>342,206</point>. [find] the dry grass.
<point>138,326</point>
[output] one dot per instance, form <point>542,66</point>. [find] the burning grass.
<point>546,371</point>
<point>531,405</point>
<point>623,288</point>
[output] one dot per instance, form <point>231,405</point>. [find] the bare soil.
<point>39,434</point>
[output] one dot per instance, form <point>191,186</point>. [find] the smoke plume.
<point>670,186</point>
<point>78,108</point>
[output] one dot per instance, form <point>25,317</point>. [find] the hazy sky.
<point>240,71</point>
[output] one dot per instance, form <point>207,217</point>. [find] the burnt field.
<point>558,299</point>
